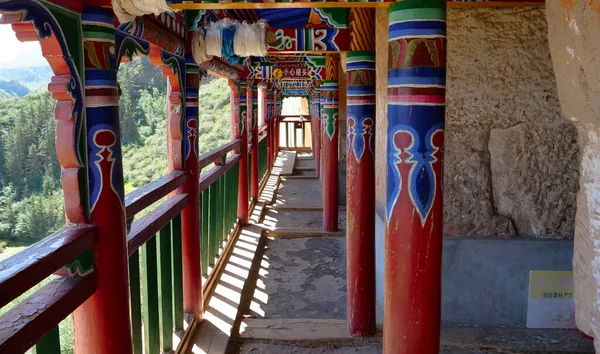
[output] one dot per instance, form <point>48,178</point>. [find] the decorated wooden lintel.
<point>329,4</point>
<point>150,29</point>
<point>285,71</point>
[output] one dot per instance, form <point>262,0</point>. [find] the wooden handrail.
<point>26,323</point>
<point>147,226</point>
<point>209,157</point>
<point>262,128</point>
<point>208,178</point>
<point>148,194</point>
<point>292,119</point>
<point>27,268</point>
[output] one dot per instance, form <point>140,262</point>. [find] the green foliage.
<point>214,119</point>
<point>30,198</point>
<point>31,201</point>
<point>135,78</point>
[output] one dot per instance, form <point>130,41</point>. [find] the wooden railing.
<point>218,189</point>
<point>155,265</point>
<point>154,249</point>
<point>294,136</point>
<point>213,155</point>
<point>39,314</point>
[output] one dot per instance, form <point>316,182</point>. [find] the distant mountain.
<point>34,78</point>
<point>13,89</point>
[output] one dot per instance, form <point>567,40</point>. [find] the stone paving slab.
<point>453,341</point>
<point>299,218</point>
<point>299,193</point>
<point>304,164</point>
<point>306,278</point>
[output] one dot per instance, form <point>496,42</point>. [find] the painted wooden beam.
<point>332,4</point>
<point>316,60</point>
<point>219,68</point>
<point>285,71</point>
<point>307,39</point>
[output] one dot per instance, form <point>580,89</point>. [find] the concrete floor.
<point>305,278</point>
<point>454,341</point>
<point>264,348</point>
<point>299,218</point>
<point>299,193</point>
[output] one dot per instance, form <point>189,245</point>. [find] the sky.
<point>16,54</point>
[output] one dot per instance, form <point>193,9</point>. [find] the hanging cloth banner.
<point>232,39</point>
<point>227,49</point>
<point>250,39</point>
<point>128,10</point>
<point>199,47</point>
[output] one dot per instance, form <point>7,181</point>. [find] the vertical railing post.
<point>330,137</point>
<point>360,173</point>
<point>239,100</point>
<point>253,124</point>
<point>190,216</point>
<point>415,151</point>
<point>102,324</point>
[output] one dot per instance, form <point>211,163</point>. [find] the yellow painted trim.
<point>330,4</point>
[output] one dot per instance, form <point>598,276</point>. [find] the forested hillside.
<point>9,89</point>
<point>36,78</point>
<point>30,191</point>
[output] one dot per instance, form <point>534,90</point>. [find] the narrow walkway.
<point>284,287</point>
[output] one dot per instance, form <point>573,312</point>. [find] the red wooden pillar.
<point>268,120</point>
<point>102,323</point>
<point>317,140</point>
<point>276,123</point>
<point>190,215</point>
<point>415,149</point>
<point>330,137</point>
<point>253,125</point>
<point>238,100</point>
<point>360,173</point>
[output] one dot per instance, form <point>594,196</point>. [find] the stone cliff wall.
<point>511,163</point>
<point>574,27</point>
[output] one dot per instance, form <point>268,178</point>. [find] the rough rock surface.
<point>511,158</point>
<point>535,188</point>
<point>573,36</point>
